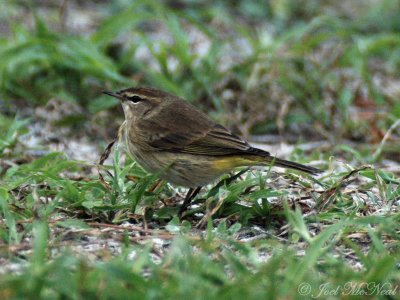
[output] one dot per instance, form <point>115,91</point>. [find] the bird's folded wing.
<point>190,132</point>
<point>216,141</point>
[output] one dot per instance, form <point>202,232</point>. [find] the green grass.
<point>312,70</point>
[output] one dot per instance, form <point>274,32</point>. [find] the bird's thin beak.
<point>112,94</point>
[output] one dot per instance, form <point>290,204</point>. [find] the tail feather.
<point>290,164</point>
<point>265,157</point>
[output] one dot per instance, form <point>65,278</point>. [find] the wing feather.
<point>190,131</point>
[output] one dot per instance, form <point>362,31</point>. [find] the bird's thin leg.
<point>188,199</point>
<point>226,181</point>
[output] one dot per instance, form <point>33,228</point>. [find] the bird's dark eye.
<point>135,99</point>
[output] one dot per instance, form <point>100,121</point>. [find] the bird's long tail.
<point>290,164</point>
<point>264,157</point>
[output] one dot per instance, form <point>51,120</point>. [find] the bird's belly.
<point>190,170</point>
<point>179,169</point>
<point>184,170</point>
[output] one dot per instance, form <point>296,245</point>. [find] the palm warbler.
<point>167,135</point>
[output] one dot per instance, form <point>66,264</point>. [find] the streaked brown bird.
<point>168,136</point>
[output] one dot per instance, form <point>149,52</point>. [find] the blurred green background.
<point>314,70</point>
